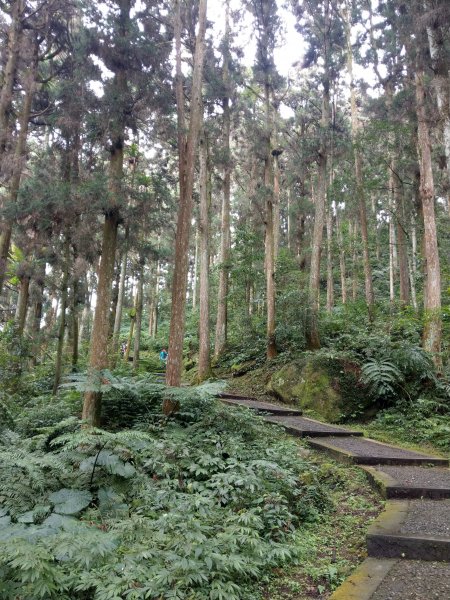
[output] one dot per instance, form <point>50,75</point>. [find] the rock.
<point>328,386</point>
<point>240,369</point>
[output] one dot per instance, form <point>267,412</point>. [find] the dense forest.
<point>263,189</point>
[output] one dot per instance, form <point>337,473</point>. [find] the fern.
<point>26,478</point>
<point>382,377</point>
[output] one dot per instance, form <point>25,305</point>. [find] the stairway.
<point>409,544</point>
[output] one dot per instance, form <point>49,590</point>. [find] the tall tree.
<point>222,299</point>
<point>187,147</point>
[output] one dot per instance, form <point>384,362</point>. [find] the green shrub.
<point>199,506</point>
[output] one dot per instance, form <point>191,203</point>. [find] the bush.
<point>199,506</point>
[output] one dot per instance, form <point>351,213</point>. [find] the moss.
<point>315,392</point>
<point>328,386</point>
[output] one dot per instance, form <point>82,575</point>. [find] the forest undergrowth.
<point>201,505</point>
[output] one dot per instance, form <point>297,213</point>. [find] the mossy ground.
<point>333,547</point>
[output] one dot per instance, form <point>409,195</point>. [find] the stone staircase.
<point>408,546</point>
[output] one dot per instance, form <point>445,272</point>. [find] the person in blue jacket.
<point>163,356</point>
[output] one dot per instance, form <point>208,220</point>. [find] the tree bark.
<point>9,74</point>
<point>224,272</point>
<point>204,357</point>
<point>359,175</point>
<point>22,303</point>
<point>62,321</point>
<point>312,328</point>
<point>330,279</point>
<point>187,151</point>
<point>120,298</point>
<point>99,358</point>
<point>99,341</point>
<point>402,249</point>
<point>342,266</point>
<point>19,154</point>
<point>432,332</point>
<point>138,319</point>
<point>271,349</point>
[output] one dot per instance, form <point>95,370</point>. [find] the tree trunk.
<point>99,359</point>
<point>330,279</point>
<point>187,151</point>
<point>359,176</point>
<point>401,242</point>
<point>138,320</point>
<point>204,358</point>
<point>99,341</point>
<point>9,74</point>
<point>195,274</point>
<point>271,350</point>
<point>222,298</point>
<point>442,88</point>
<point>22,304</point>
<point>342,266</point>
<point>312,328</point>
<point>19,153</point>
<point>432,332</point>
<point>62,322</point>
<point>120,298</point>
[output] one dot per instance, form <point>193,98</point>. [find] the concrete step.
<point>259,406</point>
<point>393,579</point>
<point>304,427</point>
<point>369,452</point>
<point>410,482</point>
<point>412,529</point>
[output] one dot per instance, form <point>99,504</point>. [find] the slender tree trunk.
<point>222,298</point>
<point>276,204</point>
<point>62,321</point>
<point>19,154</point>
<point>355,284</point>
<point>138,320</point>
<point>312,333</point>
<point>377,230</point>
<point>204,356</point>
<point>153,304</point>
<point>359,175</point>
<point>271,351</point>
<point>401,242</point>
<point>99,358</point>
<point>9,74</point>
<point>330,279</point>
<point>195,274</point>
<point>100,328</point>
<point>187,151</point>
<point>22,304</point>
<point>120,298</point>
<point>432,332</point>
<point>342,266</point>
<point>312,329</point>
<point>392,237</point>
<point>442,88</point>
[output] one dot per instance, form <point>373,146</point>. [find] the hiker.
<point>163,356</point>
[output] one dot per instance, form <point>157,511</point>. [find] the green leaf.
<point>70,502</point>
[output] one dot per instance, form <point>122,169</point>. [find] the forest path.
<point>409,544</point>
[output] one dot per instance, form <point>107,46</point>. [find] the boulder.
<point>330,387</point>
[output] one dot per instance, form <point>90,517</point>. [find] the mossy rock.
<point>240,369</point>
<point>330,387</point>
